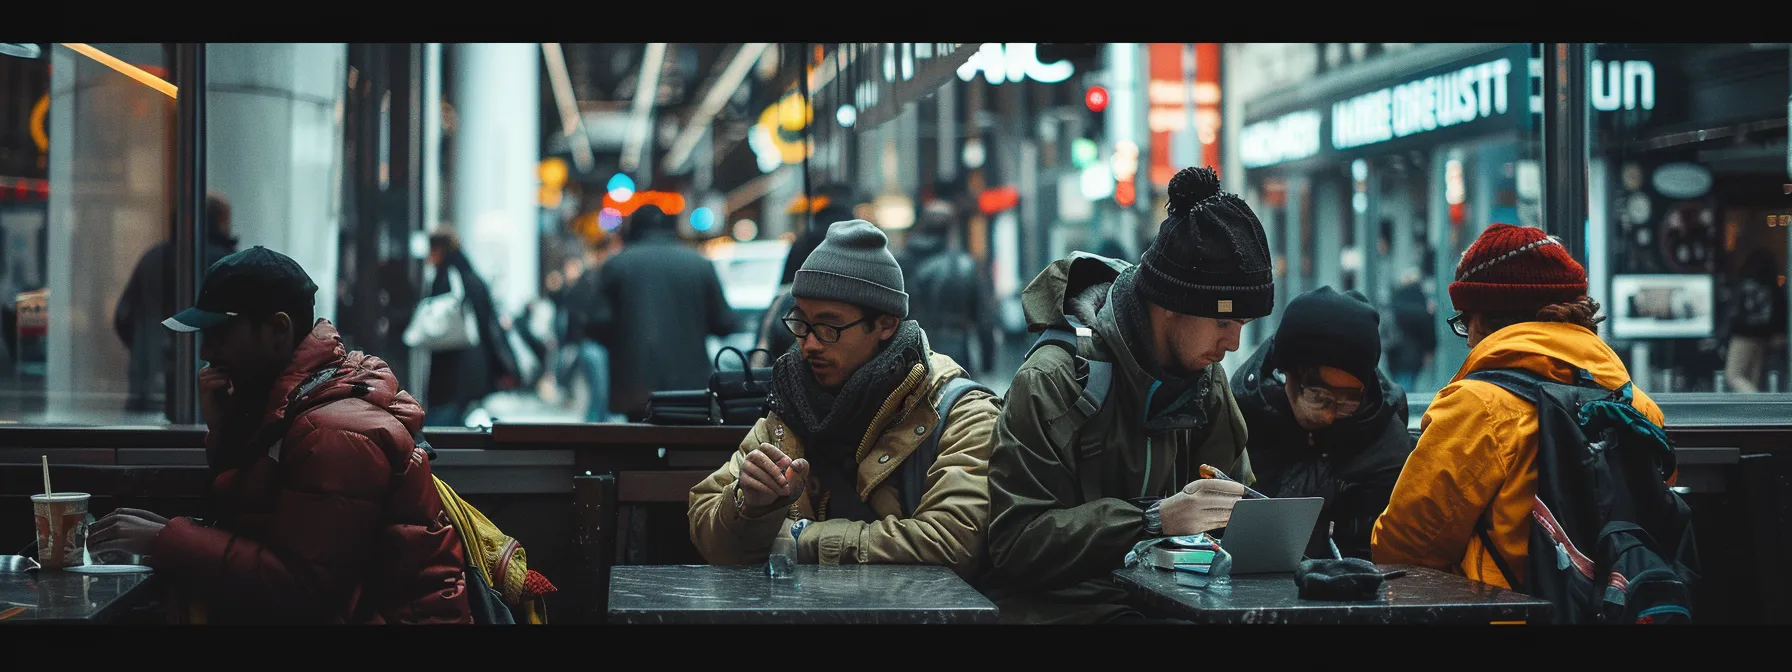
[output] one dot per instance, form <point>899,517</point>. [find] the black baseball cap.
<point>256,281</point>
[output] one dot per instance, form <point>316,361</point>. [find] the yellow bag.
<point>499,557</point>
<point>488,549</point>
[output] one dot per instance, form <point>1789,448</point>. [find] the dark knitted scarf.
<point>823,418</point>
<point>1181,400</point>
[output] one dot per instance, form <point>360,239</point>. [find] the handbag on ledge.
<point>742,396</point>
<point>682,407</point>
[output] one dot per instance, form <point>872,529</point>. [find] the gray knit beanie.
<point>854,265</point>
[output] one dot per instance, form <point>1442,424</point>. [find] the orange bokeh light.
<point>669,202</point>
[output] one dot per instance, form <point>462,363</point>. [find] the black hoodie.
<point>1353,463</point>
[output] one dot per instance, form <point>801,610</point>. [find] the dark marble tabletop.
<point>57,596</point>
<point>816,594</point>
<point>1421,596</point>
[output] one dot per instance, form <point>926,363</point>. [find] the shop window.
<point>1415,175</point>
<point>86,182</point>
<point>1688,203</point>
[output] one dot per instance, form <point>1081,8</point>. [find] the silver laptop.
<point>1266,536</point>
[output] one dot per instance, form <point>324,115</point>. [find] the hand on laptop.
<point>1203,505</point>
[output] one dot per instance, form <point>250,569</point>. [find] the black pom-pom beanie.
<point>1210,258</point>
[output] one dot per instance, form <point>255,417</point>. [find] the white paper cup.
<point>61,529</point>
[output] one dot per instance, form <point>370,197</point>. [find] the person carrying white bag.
<point>457,322</point>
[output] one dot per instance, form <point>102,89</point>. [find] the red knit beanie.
<point>1515,269</point>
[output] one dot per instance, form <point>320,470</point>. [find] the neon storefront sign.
<point>1622,85</point>
<point>1443,100</point>
<point>1013,62</point>
<point>1461,99</point>
<point>1290,137</point>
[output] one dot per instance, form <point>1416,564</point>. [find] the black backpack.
<point>1094,373</point>
<point>914,472</point>
<point>1601,472</point>
<point>1097,378</point>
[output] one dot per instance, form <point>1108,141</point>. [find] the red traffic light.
<point>1096,98</point>
<point>992,201</point>
<point>1126,193</point>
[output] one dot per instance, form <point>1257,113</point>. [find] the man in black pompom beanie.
<point>1210,258</point>
<point>1102,437</point>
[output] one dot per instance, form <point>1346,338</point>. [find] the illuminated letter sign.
<point>1290,137</point>
<point>1427,104</point>
<point>1014,62</point>
<point>1627,85</point>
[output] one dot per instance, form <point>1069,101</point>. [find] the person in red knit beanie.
<point>1522,304</point>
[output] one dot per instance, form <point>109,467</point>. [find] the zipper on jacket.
<point>882,419</point>
<point>890,404</point>
<point>1145,485</point>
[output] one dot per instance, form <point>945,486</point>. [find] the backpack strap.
<point>1529,387</point>
<point>1521,383</point>
<point>296,407</point>
<point>1098,375</point>
<point>1499,560</point>
<point>914,471</point>
<point>1098,380</point>
<point>271,435</point>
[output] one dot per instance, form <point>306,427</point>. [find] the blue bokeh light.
<point>621,187</point>
<point>703,219</point>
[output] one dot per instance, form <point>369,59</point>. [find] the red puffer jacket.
<point>339,520</point>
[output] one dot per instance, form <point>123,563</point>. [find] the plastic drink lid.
<point>61,497</point>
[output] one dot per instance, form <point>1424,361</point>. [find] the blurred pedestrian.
<point>460,379</point>
<point>660,302</point>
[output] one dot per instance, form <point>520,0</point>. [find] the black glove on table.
<point>1350,579</point>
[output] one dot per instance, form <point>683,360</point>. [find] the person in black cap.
<point>326,509</point>
<point>1324,420</point>
<point>1102,436</point>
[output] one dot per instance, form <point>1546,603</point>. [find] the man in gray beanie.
<point>854,460</point>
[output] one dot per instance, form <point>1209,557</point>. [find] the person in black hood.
<point>1323,421</point>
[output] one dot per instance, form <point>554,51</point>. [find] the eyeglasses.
<point>1321,398</point>
<point>826,333</point>
<point>1459,324</point>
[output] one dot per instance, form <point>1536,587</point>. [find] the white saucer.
<point>109,569</point>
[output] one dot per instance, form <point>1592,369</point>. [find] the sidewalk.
<point>524,408</point>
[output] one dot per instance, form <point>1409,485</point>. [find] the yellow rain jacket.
<point>1477,459</point>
